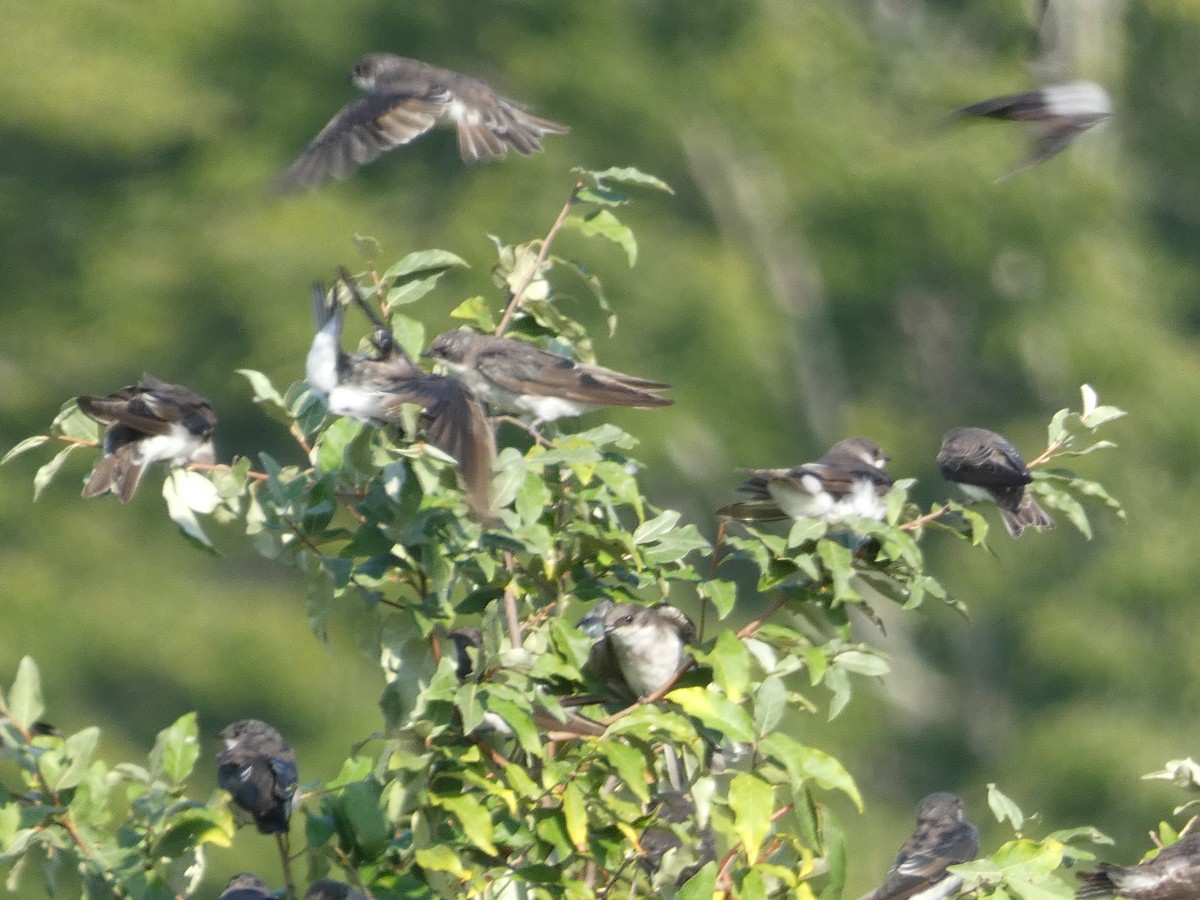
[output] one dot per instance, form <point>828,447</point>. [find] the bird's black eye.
<point>627,619</point>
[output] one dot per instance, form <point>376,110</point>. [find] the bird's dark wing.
<point>1014,107</point>
<point>523,369</point>
<point>989,464</point>
<point>456,424</point>
<point>925,855</point>
<point>684,626</point>
<point>359,134</point>
<point>629,381</point>
<point>151,411</point>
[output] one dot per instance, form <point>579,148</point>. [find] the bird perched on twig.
<point>848,480</point>
<point>516,376</point>
<point>943,837</point>
<point>403,99</point>
<point>246,886</point>
<point>987,467</point>
<point>145,423</point>
<point>258,768</point>
<point>1174,874</point>
<point>1056,113</point>
<point>374,388</point>
<point>638,648</point>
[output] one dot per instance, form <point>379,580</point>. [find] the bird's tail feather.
<point>1095,884</point>
<point>1025,513</point>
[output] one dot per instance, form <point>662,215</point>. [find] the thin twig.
<point>930,516</point>
<point>752,627</point>
<point>1045,455</point>
<point>289,886</point>
<point>528,429</point>
<point>222,467</point>
<point>543,252</point>
<point>510,600</point>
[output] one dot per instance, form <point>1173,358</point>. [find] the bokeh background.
<point>835,261</point>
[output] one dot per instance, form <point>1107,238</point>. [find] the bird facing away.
<point>988,467</point>
<point>848,480</point>
<point>258,769</point>
<point>638,648</point>
<point>246,886</point>
<point>1174,874</point>
<point>328,889</point>
<point>943,837</point>
<point>145,423</point>
<point>374,388</point>
<point>1057,114</point>
<point>404,98</point>
<point>518,377</point>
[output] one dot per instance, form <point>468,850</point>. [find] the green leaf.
<point>360,801</point>
<point>474,818</point>
<point>476,311</point>
<point>423,261</point>
<point>264,391</point>
<point>25,697</point>
<point>47,472</point>
<point>575,815</point>
<point>439,858</point>
<point>1003,808</point>
<point>73,422</point>
<point>655,528</point>
<point>862,662</point>
<point>176,749</point>
<point>753,802</point>
<point>770,701</point>
<point>839,564</point>
<point>628,175</point>
<point>731,665</point>
<point>805,531</point>
<point>804,763</point>
<point>78,750</point>
<point>630,766</point>
<point>702,885</point>
<point>715,711</point>
<point>604,224</point>
<point>723,595</point>
<point>183,492</point>
<point>28,444</point>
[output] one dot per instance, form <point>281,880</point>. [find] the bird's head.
<point>450,347</point>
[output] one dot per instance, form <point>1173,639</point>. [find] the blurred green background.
<point>833,263</point>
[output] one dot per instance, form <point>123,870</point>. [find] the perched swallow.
<point>1057,113</point>
<point>328,889</point>
<point>373,388</point>
<point>404,99</point>
<point>258,769</point>
<point>638,648</point>
<point>246,887</point>
<point>987,467</point>
<point>847,481</point>
<point>147,422</point>
<point>1174,874</point>
<point>942,838</point>
<point>516,376</point>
